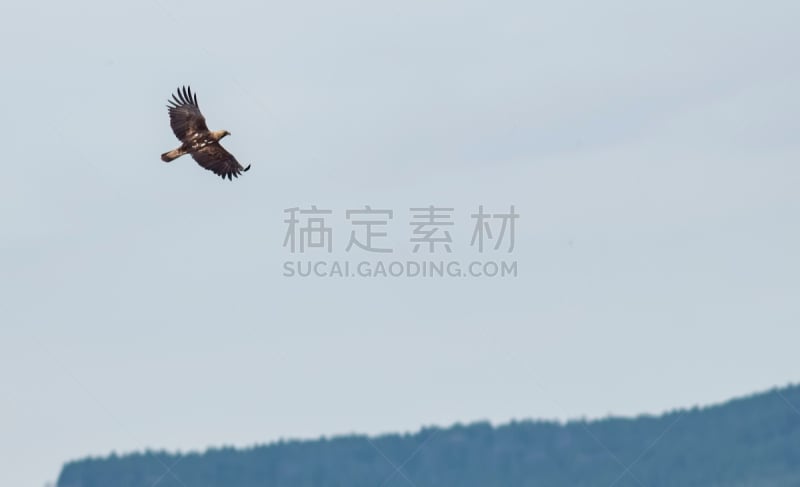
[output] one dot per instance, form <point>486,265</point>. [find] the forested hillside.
<point>754,441</point>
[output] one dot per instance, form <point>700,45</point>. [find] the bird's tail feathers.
<point>172,155</point>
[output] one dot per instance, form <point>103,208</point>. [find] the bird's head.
<point>219,134</point>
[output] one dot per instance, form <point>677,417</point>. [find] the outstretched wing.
<point>215,158</point>
<point>184,115</point>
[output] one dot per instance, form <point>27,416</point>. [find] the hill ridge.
<point>748,440</point>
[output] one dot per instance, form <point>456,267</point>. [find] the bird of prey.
<point>190,128</point>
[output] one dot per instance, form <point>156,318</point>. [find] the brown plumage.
<point>190,128</point>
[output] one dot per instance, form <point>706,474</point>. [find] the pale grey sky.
<point>650,147</point>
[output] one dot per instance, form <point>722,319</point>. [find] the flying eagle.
<point>190,128</point>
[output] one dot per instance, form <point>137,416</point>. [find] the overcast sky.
<point>651,149</point>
